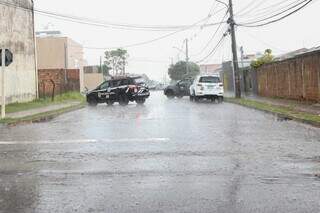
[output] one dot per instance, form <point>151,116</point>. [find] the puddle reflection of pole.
<point>138,116</point>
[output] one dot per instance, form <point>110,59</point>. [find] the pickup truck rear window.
<point>209,79</point>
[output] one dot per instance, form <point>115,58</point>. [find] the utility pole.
<point>187,56</point>
<point>236,73</point>
<point>101,64</point>
<point>3,93</point>
<point>242,56</point>
<point>65,62</point>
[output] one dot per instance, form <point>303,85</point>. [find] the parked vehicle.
<point>122,90</point>
<point>207,87</point>
<point>179,90</point>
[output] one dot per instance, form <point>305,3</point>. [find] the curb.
<point>42,117</point>
<point>280,115</point>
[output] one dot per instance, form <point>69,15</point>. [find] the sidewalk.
<point>308,113</point>
<point>312,108</point>
<point>41,110</point>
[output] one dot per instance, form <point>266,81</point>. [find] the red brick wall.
<point>50,77</point>
<point>297,78</point>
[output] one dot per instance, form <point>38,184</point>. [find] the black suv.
<point>180,89</point>
<point>121,90</point>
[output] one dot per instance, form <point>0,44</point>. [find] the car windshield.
<point>209,79</point>
<point>104,85</point>
<point>139,81</point>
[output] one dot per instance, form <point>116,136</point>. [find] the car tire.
<point>180,97</point>
<point>124,100</point>
<point>196,99</point>
<point>109,102</point>
<point>220,99</point>
<point>170,94</point>
<point>140,101</point>
<point>92,102</point>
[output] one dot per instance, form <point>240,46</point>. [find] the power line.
<point>213,50</point>
<point>212,37</point>
<point>250,6</point>
<point>252,24</point>
<point>148,41</point>
<point>99,23</point>
<point>265,43</point>
<point>269,9</point>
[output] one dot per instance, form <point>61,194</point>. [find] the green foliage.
<point>178,71</point>
<point>116,60</point>
<point>266,58</point>
<point>105,70</point>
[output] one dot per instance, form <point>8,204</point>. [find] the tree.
<point>105,70</point>
<point>266,58</point>
<point>178,71</point>
<point>116,60</point>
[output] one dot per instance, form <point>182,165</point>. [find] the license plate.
<point>107,96</point>
<point>210,87</point>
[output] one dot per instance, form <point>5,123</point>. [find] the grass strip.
<point>283,111</point>
<point>41,117</point>
<point>43,102</point>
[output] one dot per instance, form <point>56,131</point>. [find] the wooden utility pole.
<point>187,56</point>
<point>3,93</point>
<point>236,73</point>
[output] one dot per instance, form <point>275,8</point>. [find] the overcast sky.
<point>297,31</point>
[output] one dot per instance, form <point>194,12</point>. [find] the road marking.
<point>46,142</point>
<point>84,141</point>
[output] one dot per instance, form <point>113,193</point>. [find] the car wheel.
<point>140,101</point>
<point>196,99</point>
<point>191,98</point>
<point>109,102</point>
<point>92,102</point>
<point>220,99</point>
<point>124,100</point>
<point>170,94</point>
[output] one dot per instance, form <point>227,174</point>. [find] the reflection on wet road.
<point>167,156</point>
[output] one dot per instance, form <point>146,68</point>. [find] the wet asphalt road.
<point>168,156</point>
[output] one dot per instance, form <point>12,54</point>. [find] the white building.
<point>17,34</point>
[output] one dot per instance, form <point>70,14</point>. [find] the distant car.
<point>122,90</point>
<point>207,87</point>
<point>179,90</point>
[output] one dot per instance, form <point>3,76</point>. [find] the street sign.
<point>8,57</point>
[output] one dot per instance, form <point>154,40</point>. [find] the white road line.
<point>84,141</point>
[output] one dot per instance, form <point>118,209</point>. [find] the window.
<point>105,85</point>
<point>124,82</point>
<point>139,81</point>
<point>209,79</point>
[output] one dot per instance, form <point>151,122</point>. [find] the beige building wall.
<point>60,53</point>
<point>92,80</point>
<point>17,34</point>
<point>210,68</point>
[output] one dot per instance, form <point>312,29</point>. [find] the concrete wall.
<point>92,80</point>
<point>51,53</point>
<point>58,81</point>
<point>17,34</point>
<point>60,53</point>
<point>296,78</point>
<point>248,79</point>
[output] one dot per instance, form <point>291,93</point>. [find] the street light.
<point>186,54</point>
